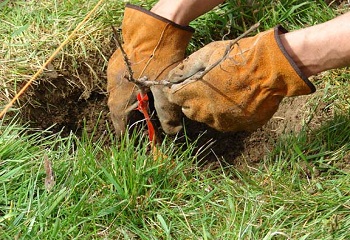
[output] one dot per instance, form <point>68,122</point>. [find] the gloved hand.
<point>244,91</point>
<point>154,45</point>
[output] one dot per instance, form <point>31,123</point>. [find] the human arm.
<point>314,49</point>
<point>310,51</point>
<point>321,47</point>
<point>183,11</point>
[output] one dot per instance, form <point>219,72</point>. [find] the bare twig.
<point>125,56</point>
<point>149,83</point>
<point>227,51</point>
<point>127,63</point>
<point>50,177</point>
<point>144,81</point>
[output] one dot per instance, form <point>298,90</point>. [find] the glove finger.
<point>169,114</point>
<point>179,86</point>
<point>192,65</point>
<point>120,109</point>
<point>177,93</point>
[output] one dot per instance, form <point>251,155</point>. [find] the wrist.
<point>321,47</point>
<point>183,12</point>
<point>171,11</point>
<point>296,47</point>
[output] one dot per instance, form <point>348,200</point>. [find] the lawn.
<point>63,175</point>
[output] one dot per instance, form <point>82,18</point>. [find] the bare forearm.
<point>183,11</point>
<point>321,47</point>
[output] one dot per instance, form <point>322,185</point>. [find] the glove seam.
<point>154,52</point>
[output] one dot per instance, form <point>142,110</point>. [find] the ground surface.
<point>67,100</point>
<point>64,104</point>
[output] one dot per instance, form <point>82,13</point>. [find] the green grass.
<point>119,191</point>
<point>300,190</point>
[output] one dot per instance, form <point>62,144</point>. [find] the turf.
<point>109,189</point>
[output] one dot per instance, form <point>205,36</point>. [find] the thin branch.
<point>229,48</point>
<point>149,83</point>
<point>127,63</point>
<point>144,83</point>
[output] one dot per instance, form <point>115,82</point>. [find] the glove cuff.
<point>163,19</point>
<point>277,32</point>
<point>151,41</point>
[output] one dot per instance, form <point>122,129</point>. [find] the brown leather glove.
<point>244,91</point>
<point>154,45</point>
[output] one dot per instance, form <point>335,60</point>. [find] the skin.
<point>321,47</point>
<point>314,49</point>
<point>184,11</point>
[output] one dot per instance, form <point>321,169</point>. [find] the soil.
<point>243,148</point>
<point>61,104</point>
<point>67,100</point>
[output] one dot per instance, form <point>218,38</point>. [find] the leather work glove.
<point>154,45</point>
<point>242,92</point>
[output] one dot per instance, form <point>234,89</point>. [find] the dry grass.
<point>32,31</point>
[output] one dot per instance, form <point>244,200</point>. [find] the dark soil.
<point>68,100</point>
<point>58,105</point>
<point>249,148</point>
<point>61,103</point>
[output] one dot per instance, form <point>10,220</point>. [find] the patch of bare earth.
<point>244,148</point>
<point>63,103</point>
<point>69,100</point>
<point>60,106</point>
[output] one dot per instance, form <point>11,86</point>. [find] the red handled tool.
<point>143,107</point>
